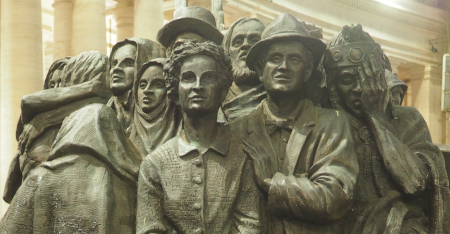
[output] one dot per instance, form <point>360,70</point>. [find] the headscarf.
<point>145,51</point>
<point>149,130</point>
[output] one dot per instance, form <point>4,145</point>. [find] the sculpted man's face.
<point>348,86</point>
<point>55,81</point>
<point>152,90</point>
<point>286,68</point>
<point>397,95</point>
<point>187,37</point>
<point>122,69</point>
<point>243,38</point>
<point>199,88</point>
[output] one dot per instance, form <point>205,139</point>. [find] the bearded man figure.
<point>247,91</point>
<point>402,185</point>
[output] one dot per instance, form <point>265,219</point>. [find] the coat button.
<point>198,162</point>
<point>198,180</point>
<point>197,206</point>
<point>198,231</point>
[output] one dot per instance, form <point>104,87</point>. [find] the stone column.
<point>148,18</point>
<point>425,85</point>
<point>21,71</point>
<point>125,21</point>
<point>88,26</point>
<point>62,35</point>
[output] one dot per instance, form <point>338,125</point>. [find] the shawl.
<point>145,51</point>
<point>150,130</point>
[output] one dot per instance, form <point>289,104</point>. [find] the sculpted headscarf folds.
<point>145,51</point>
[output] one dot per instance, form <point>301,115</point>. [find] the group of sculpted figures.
<point>264,130</point>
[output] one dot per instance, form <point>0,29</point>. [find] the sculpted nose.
<point>357,87</point>
<point>198,85</point>
<point>283,66</point>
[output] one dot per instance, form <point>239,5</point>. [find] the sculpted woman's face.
<point>55,81</point>
<point>151,90</point>
<point>122,69</point>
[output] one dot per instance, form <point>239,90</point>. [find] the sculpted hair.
<point>58,64</point>
<point>84,67</point>
<point>173,67</point>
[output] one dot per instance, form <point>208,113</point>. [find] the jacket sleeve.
<point>325,192</point>
<point>150,214</point>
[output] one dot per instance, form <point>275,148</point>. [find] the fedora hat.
<point>286,28</point>
<point>190,19</point>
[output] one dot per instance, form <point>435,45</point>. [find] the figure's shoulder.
<point>164,152</point>
<point>242,122</point>
<point>408,112</point>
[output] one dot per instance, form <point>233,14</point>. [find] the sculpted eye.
<point>189,78</point>
<point>160,85</point>
<point>129,64</point>
<point>346,80</point>
<point>142,85</point>
<point>276,59</point>
<point>254,40</point>
<point>238,42</point>
<point>296,60</point>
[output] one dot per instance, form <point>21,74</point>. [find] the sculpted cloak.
<point>87,185</point>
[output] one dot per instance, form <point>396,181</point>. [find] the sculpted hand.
<point>99,86</point>
<point>261,161</point>
<point>375,92</point>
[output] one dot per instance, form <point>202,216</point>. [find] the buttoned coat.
<point>314,189</point>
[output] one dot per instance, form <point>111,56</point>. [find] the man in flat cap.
<point>247,91</point>
<point>303,156</point>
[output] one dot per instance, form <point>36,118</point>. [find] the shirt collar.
<point>220,145</point>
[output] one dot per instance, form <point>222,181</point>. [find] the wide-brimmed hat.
<point>190,19</point>
<point>286,28</point>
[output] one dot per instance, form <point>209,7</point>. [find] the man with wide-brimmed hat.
<point>303,157</point>
<point>194,24</point>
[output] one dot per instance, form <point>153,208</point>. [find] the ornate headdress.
<point>351,47</point>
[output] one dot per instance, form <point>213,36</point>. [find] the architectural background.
<point>413,33</point>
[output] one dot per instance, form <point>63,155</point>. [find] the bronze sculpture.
<point>402,185</point>
<point>156,118</point>
<point>44,111</point>
<point>200,181</point>
<point>397,88</point>
<point>86,184</point>
<point>303,156</point>
<point>247,91</point>
<point>126,60</point>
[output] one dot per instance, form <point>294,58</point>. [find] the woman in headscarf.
<point>156,118</point>
<point>88,182</point>
<point>126,59</point>
<point>44,111</point>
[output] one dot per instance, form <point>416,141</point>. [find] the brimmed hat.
<point>190,19</point>
<point>286,28</point>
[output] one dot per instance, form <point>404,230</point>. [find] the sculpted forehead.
<point>248,27</point>
<point>152,73</point>
<point>287,47</point>
<point>199,63</point>
<point>127,50</point>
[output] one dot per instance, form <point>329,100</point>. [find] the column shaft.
<point>125,21</point>
<point>148,18</point>
<point>62,36</point>
<point>88,26</point>
<point>21,71</point>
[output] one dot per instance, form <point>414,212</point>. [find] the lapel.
<point>256,125</point>
<point>302,129</point>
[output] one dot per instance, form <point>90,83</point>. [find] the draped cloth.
<point>148,131</point>
<point>145,51</point>
<point>87,185</point>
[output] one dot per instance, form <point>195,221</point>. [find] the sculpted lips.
<point>282,77</point>
<point>146,100</point>
<point>116,78</point>
<point>197,98</point>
